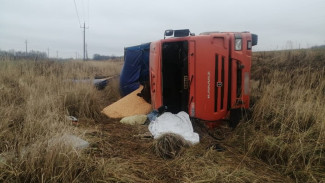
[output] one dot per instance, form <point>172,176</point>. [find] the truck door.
<point>221,45</point>
<point>240,70</point>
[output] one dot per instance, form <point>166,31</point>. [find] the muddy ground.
<point>129,149</point>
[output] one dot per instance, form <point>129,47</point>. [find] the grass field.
<point>282,141</point>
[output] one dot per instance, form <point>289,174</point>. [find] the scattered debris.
<point>66,140</point>
<point>134,120</point>
<point>174,123</point>
<point>146,135</point>
<point>217,147</point>
<point>104,77</point>
<point>152,116</point>
<point>3,160</point>
<point>99,83</point>
<point>73,119</point>
<point>155,113</point>
<point>128,106</point>
<point>169,145</point>
<point>69,140</point>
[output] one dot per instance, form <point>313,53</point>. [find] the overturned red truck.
<point>207,75</point>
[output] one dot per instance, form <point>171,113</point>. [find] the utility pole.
<point>84,36</point>
<point>87,51</point>
<point>57,54</point>
<point>48,52</point>
<point>26,46</point>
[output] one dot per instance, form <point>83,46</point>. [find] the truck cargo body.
<point>206,75</point>
<point>135,69</point>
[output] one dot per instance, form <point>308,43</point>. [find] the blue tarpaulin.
<point>135,68</point>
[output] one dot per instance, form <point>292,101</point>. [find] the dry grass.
<point>169,145</point>
<point>35,97</point>
<point>199,163</point>
<point>282,142</point>
<point>287,127</point>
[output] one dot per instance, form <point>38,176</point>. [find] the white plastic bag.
<point>174,123</point>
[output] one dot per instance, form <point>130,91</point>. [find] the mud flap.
<point>235,117</point>
<point>238,114</point>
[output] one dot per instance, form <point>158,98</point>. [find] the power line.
<point>84,24</point>
<point>84,9</point>
<point>88,14</point>
<point>75,5</point>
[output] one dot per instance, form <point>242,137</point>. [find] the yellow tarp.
<point>128,106</point>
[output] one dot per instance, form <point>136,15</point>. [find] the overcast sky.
<point>115,24</point>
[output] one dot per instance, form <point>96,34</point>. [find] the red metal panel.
<point>207,47</point>
<point>191,74</point>
<point>244,58</point>
<point>155,74</point>
<point>226,82</point>
<point>233,83</point>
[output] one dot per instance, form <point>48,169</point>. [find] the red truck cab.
<point>207,75</point>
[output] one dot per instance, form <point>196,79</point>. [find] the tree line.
<point>15,55</point>
<point>35,55</point>
<point>104,57</point>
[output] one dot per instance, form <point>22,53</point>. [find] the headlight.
<point>246,83</point>
<point>249,44</point>
<point>238,44</point>
<point>192,109</point>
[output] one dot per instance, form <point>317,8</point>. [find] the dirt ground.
<point>129,150</point>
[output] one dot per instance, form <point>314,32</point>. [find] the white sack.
<point>134,120</point>
<point>174,123</point>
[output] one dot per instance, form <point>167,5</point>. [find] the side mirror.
<point>169,32</point>
<point>254,39</point>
